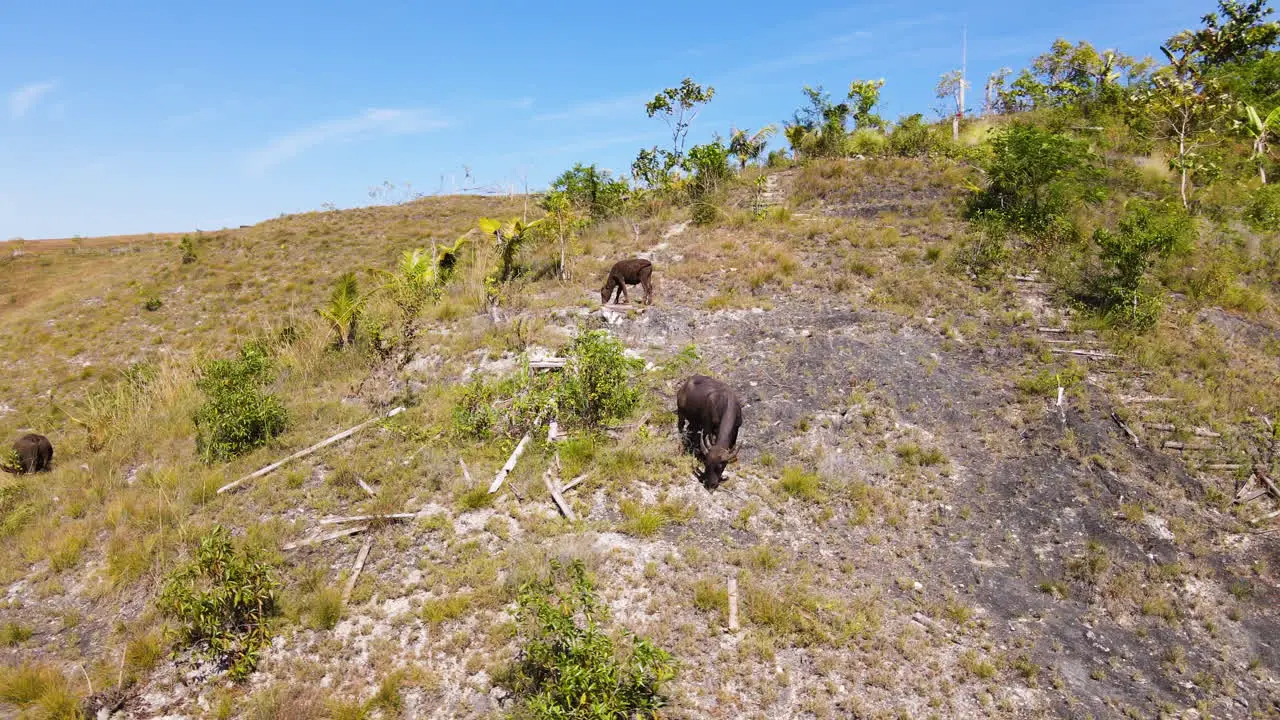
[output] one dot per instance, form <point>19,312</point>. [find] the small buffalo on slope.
<point>711,410</point>
<point>33,453</point>
<point>628,272</point>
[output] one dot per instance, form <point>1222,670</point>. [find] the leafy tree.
<point>224,599</point>
<point>1078,77</point>
<point>1184,107</point>
<point>563,223</point>
<point>343,310</point>
<point>1147,231</point>
<point>678,106</point>
<point>1034,177</point>
<point>819,128</point>
<point>591,190</point>
<point>864,95</point>
<point>748,146</point>
<point>993,92</point>
<point>1241,34</point>
<point>652,167</point>
<point>569,667</point>
<point>951,87</point>
<point>1261,129</point>
<point>708,164</point>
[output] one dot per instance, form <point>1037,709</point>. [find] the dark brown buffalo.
<point>34,453</point>
<point>710,410</point>
<point>628,272</point>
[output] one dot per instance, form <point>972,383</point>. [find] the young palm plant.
<point>1261,129</point>
<point>748,146</point>
<point>417,281</point>
<point>343,310</point>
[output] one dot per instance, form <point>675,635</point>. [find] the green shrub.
<point>568,665</point>
<point>866,141</point>
<point>187,247</point>
<point>152,303</point>
<point>592,191</point>
<point>911,137</point>
<point>237,415</point>
<point>1147,231</point>
<point>224,599</point>
<point>704,213</point>
<point>13,634</point>
<point>1036,177</point>
<point>599,382</point>
<point>1263,210</point>
<point>982,255</point>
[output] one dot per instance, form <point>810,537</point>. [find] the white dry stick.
<point>553,431</point>
<point>511,465</point>
<point>466,474</point>
<point>326,538</point>
<point>366,518</point>
<point>303,453</point>
<point>1060,390</point>
<point>555,495</point>
<point>733,603</point>
<point>365,487</point>
<point>574,483</point>
<point>355,570</point>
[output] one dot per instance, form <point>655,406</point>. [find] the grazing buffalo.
<point>628,272</point>
<point>34,453</point>
<point>709,409</point>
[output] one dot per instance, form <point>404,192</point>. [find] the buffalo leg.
<point>646,281</point>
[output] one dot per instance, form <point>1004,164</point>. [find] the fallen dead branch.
<point>1174,445</point>
<point>1125,428</point>
<point>355,570</point>
<point>1091,354</point>
<point>303,453</point>
<point>574,483</point>
<point>365,487</point>
<point>555,495</point>
<point>326,538</point>
<point>547,364</point>
<point>367,518</point>
<point>510,465</point>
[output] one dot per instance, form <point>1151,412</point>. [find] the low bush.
<point>1263,210</point>
<point>224,599</point>
<point>569,666</point>
<point>237,415</point>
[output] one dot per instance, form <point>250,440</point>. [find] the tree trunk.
<point>955,128</point>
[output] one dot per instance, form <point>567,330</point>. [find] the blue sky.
<point>143,117</point>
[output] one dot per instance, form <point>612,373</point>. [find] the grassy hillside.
<point>1009,446</point>
<point>916,526</point>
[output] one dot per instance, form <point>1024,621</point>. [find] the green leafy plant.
<point>238,415</point>
<point>747,146</point>
<point>599,382</point>
<point>818,130</point>
<point>569,667</point>
<point>982,255</point>
<point>591,191</point>
<point>1263,210</point>
<point>1147,231</point>
<point>152,303</point>
<point>417,281</point>
<point>343,309</point>
<point>509,236</point>
<point>1035,176</point>
<point>678,106</point>
<point>864,95</point>
<point>1260,129</point>
<point>187,247</point>
<point>224,599</point>
<point>910,137</point>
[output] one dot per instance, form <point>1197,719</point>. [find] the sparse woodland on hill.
<point>1010,382</point>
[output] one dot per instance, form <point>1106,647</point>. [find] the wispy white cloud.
<point>377,121</point>
<point>598,108</point>
<point>28,96</point>
<point>521,103</point>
